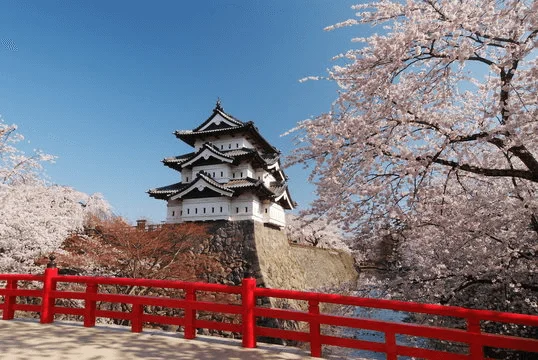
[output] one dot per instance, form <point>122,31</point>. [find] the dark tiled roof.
<point>276,188</point>
<point>190,136</point>
<point>239,183</point>
<point>235,154</point>
<point>166,191</point>
<point>178,159</point>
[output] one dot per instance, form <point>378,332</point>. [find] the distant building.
<point>232,174</point>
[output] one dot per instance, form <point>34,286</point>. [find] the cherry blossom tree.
<point>15,166</point>
<point>35,217</point>
<point>315,232</point>
<point>434,136</point>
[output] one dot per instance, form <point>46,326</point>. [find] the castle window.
<point>237,210</point>
<point>188,211</point>
<point>173,213</point>
<point>222,147</point>
<point>221,209</point>
<point>204,210</point>
<point>237,145</point>
<point>212,210</point>
<point>213,174</point>
<point>241,174</point>
<point>187,179</point>
<point>233,175</point>
<point>196,210</point>
<point>266,210</point>
<point>246,208</point>
<point>229,146</point>
<point>181,212</point>
<point>221,174</point>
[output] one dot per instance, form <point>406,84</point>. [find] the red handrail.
<point>473,335</point>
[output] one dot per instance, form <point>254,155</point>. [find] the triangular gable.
<point>218,120</point>
<point>202,183</point>
<point>205,152</point>
<point>276,171</point>
<point>284,200</point>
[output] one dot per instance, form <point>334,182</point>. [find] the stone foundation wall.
<point>265,252</point>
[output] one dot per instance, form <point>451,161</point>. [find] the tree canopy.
<point>35,217</point>
<point>433,136</point>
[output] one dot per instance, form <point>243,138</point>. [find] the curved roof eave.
<point>213,151</point>
<point>190,136</point>
<point>210,183</point>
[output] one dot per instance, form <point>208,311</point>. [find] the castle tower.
<point>233,174</point>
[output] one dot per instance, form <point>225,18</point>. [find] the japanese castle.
<point>233,174</point>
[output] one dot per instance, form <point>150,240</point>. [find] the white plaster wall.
<point>186,175</point>
<point>242,171</point>
<point>225,142</point>
<point>219,172</point>
<point>274,214</point>
<point>173,211</point>
<point>245,207</point>
<point>193,209</point>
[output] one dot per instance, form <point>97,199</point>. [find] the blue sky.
<point>103,84</point>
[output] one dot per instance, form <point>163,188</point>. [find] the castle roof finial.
<point>218,106</point>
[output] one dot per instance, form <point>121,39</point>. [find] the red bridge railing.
<point>473,335</point>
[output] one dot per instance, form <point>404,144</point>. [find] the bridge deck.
<point>26,339</point>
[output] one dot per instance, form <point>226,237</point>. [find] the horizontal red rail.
<point>89,296</point>
<point>406,306</point>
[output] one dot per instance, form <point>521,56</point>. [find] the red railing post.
<point>390,343</point>
<point>49,285</point>
<point>190,314</point>
<point>10,301</point>
<point>315,329</point>
<point>136,320</point>
<point>248,300</point>
<point>90,305</point>
<point>476,350</point>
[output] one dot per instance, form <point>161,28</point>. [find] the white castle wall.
<point>225,142</point>
<point>244,207</point>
